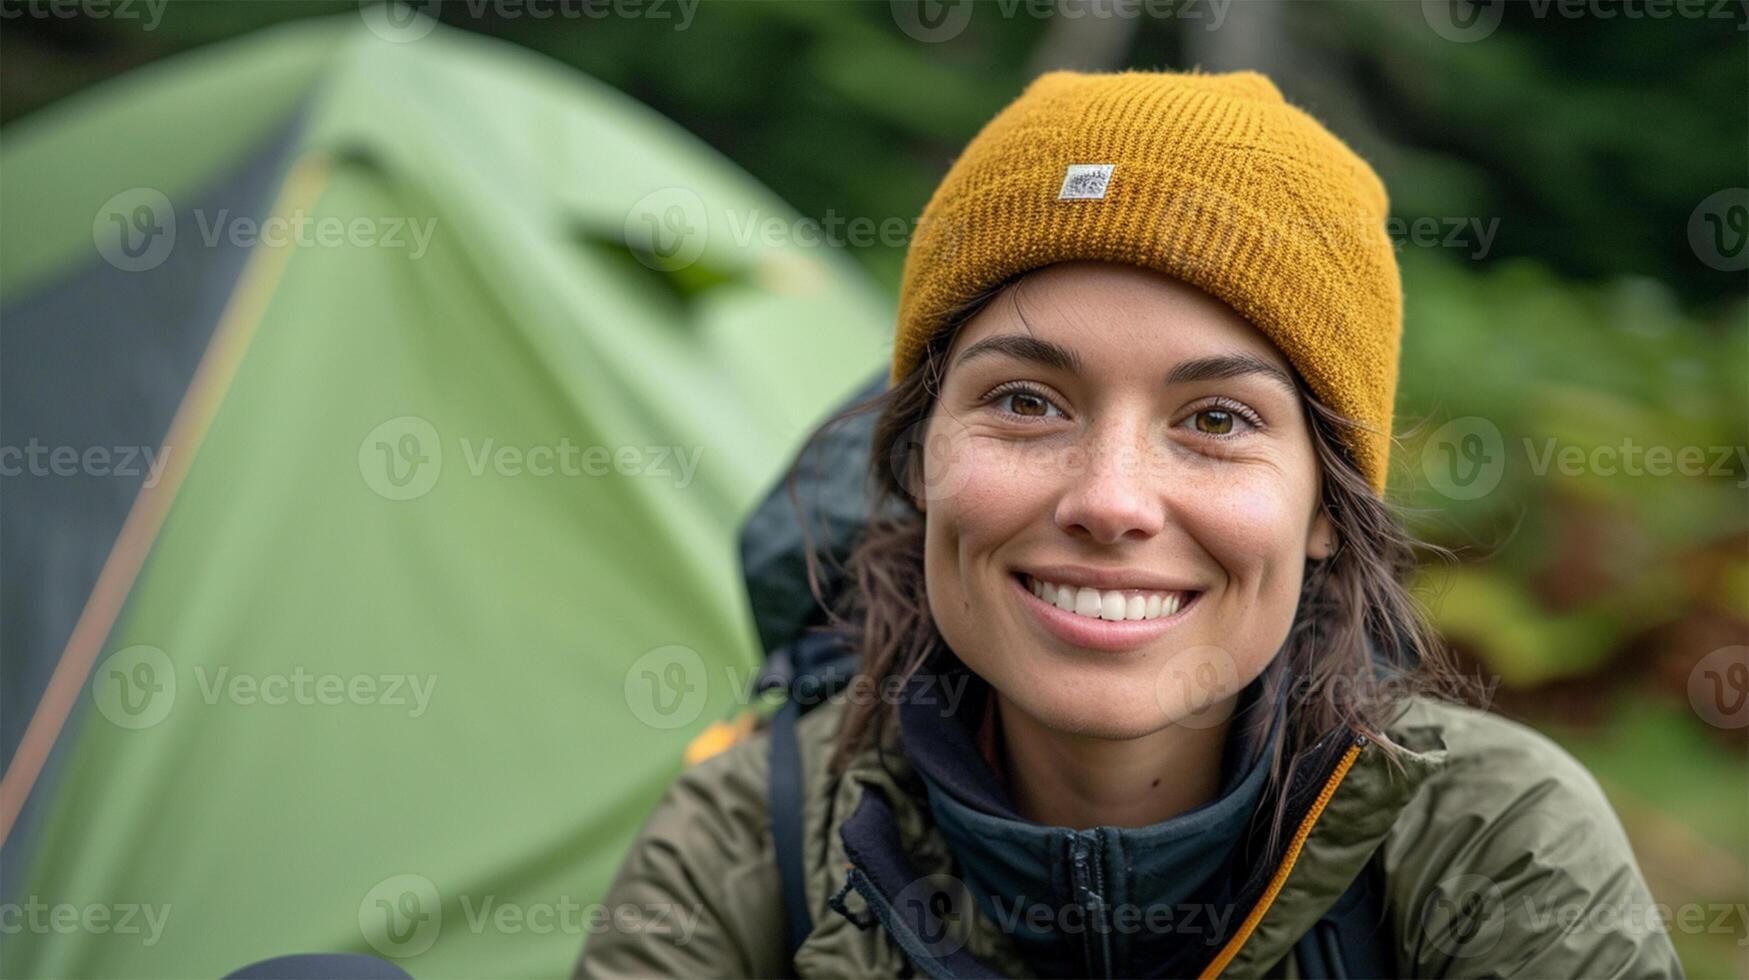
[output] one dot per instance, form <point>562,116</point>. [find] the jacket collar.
<point>890,855</point>
<point>1078,901</point>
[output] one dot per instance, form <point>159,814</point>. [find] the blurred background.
<point>1569,195</point>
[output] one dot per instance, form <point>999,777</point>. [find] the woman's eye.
<point>1214,421</point>
<point>1026,403</point>
<point>1022,403</point>
<point>1222,422</point>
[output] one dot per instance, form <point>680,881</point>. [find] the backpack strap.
<point>786,827</point>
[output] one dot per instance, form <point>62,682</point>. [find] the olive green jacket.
<point>1501,859</point>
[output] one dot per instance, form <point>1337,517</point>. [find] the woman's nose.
<point>1113,491</point>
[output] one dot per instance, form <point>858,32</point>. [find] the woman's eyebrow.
<point>1228,366</point>
<point>1025,348</point>
<point>1219,367</point>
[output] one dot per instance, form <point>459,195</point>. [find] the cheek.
<point>980,498</point>
<point>981,491</point>
<point>1254,526</point>
<point>1255,531</point>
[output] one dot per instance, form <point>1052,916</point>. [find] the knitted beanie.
<point>1212,179</point>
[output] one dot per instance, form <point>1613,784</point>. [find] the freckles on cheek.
<point>991,495</point>
<point>1254,531</point>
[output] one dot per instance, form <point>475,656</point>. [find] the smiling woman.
<point>1130,474</point>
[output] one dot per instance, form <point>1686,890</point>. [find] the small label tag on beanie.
<point>1085,182</point>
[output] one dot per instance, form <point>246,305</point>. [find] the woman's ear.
<point>1321,540</point>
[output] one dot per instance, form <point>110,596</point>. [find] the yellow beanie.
<point>1210,178</point>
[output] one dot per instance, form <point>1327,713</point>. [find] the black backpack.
<point>811,662</point>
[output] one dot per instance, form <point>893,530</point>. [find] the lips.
<point>1112,605</point>
<point>1094,629</point>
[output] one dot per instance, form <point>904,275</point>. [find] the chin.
<point>1095,703</point>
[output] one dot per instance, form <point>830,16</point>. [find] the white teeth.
<point>1112,606</point>
<point>1088,603</point>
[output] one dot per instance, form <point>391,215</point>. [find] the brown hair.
<point>1359,642</point>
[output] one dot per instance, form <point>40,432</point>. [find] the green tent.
<point>380,405</point>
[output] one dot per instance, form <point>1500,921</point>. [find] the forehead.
<point>1118,318</point>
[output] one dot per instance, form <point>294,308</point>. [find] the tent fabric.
<point>439,578</point>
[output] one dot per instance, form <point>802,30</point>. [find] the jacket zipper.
<point>1288,861</point>
<point>1086,871</point>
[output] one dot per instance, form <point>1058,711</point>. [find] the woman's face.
<point>1120,493</point>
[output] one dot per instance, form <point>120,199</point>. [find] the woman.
<point>1140,691</point>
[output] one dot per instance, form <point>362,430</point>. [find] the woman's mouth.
<point>1103,619</point>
